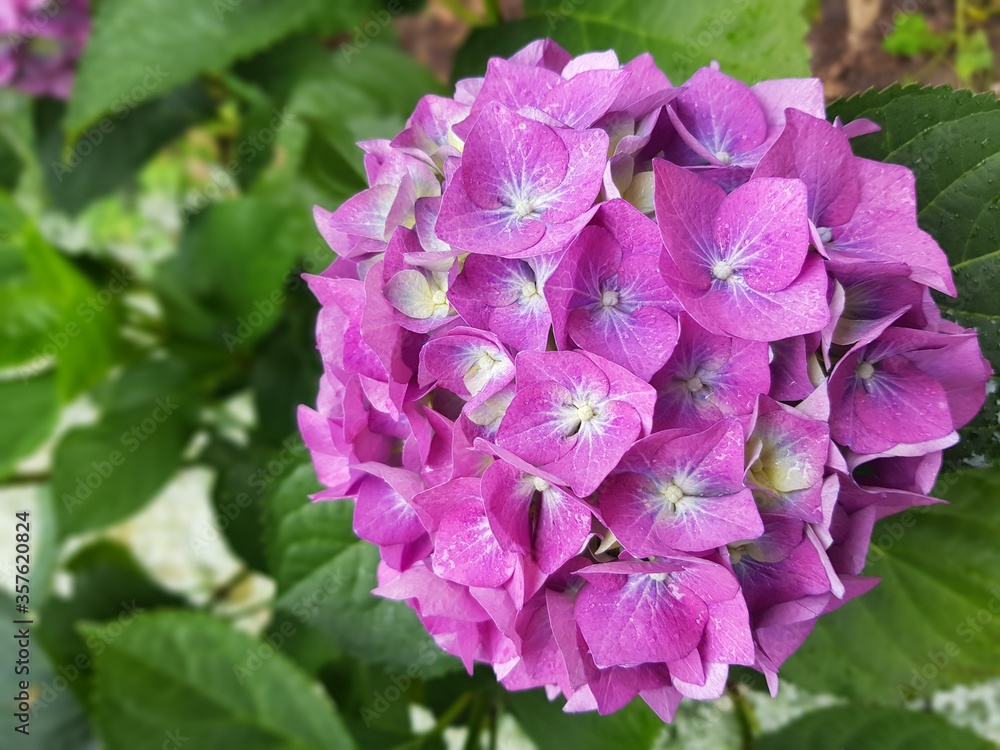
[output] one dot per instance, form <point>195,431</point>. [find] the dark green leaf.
<point>109,587</point>
<point>861,727</point>
<point>934,620</point>
<point>227,286</point>
<point>325,576</point>
<point>950,140</point>
<point>682,36</point>
<point>209,683</point>
<point>635,726</point>
<point>105,472</point>
<point>109,154</point>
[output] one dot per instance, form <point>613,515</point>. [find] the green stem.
<point>493,14</point>
<point>459,9</point>
<point>22,480</point>
<point>745,716</point>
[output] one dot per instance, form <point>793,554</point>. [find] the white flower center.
<point>722,271</point>
<point>438,297</point>
<point>541,485</point>
<point>524,207</point>
<point>609,298</point>
<point>724,157</point>
<point>585,412</point>
<point>672,494</point>
<point>529,290</point>
<point>865,370</point>
<point>825,234</point>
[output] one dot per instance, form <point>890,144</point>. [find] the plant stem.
<point>493,14</point>
<point>19,480</point>
<point>745,716</point>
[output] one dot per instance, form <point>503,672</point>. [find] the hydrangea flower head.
<point>620,375</point>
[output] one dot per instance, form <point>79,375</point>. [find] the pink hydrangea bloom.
<point>621,375</point>
<point>40,42</point>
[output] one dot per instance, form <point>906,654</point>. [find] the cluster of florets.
<point>620,375</point>
<point>40,42</point>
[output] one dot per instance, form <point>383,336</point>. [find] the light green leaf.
<point>911,35</point>
<point>682,36</point>
<point>49,311</point>
<point>934,620</point>
<point>861,727</point>
<point>144,48</point>
<point>30,407</point>
<point>193,675</point>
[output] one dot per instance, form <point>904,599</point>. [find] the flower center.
<point>825,234</point>
<point>672,494</point>
<point>529,290</point>
<point>694,384</point>
<point>724,157</point>
<point>865,370</point>
<point>486,362</point>
<point>585,412</point>
<point>524,207</point>
<point>438,297</point>
<point>609,298</point>
<point>541,485</point>
<point>722,271</point>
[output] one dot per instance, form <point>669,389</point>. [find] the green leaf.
<point>861,727</point>
<point>911,35</point>
<point>635,726</point>
<point>49,311</point>
<point>360,95</point>
<point>227,285</point>
<point>325,576</point>
<point>244,479</point>
<point>107,471</point>
<point>146,48</point>
<point>934,620</point>
<point>109,587</point>
<point>110,154</point>
<point>57,720</point>
<point>193,675</point>
<point>29,412</point>
<point>975,56</point>
<point>950,141</point>
<point>682,36</point>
